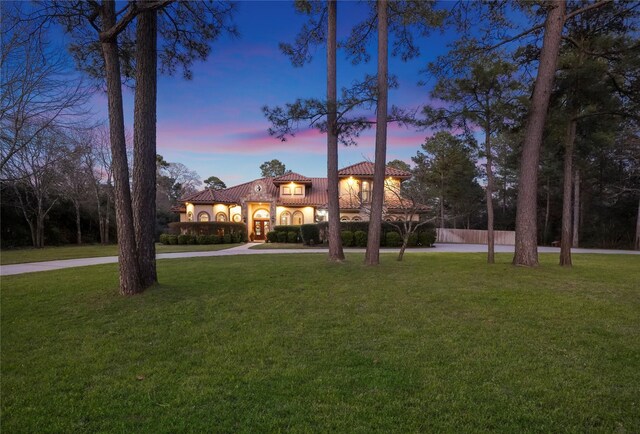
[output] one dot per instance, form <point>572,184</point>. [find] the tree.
<point>372,254</point>
<point>445,167</point>
<point>272,168</point>
<point>411,199</point>
<point>76,181</point>
<point>186,31</point>
<point>35,176</point>
<point>526,248</point>
<point>482,93</point>
<point>36,92</point>
<point>400,165</point>
<point>214,183</point>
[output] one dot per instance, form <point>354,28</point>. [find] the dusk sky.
<point>214,124</point>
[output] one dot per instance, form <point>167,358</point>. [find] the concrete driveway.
<point>32,267</point>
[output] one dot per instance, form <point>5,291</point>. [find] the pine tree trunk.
<point>78,228</point>
<point>546,216</point>
<point>636,244</point>
<point>144,146</point>
<point>526,248</point>
<point>372,255</point>
<point>576,208</point>
<point>565,241</point>
<point>107,219</point>
<point>128,256</point>
<point>490,237</point>
<point>335,241</point>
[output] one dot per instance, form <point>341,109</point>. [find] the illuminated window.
<point>286,191</point>
<point>221,217</point>
<point>298,218</point>
<point>236,218</point>
<point>366,192</point>
<point>285,218</point>
<point>203,216</point>
<point>298,191</point>
<point>261,214</point>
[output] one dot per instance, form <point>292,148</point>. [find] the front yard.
<point>293,343</point>
<point>23,255</point>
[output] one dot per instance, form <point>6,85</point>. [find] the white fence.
<point>473,236</point>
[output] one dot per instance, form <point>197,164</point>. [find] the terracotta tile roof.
<point>179,208</point>
<point>229,195</point>
<point>365,168</point>
<point>291,177</point>
<point>316,195</point>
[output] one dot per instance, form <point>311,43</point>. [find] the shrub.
<point>286,228</point>
<point>427,238</point>
<point>215,239</point>
<point>310,234</point>
<point>164,238</point>
<point>347,238</point>
<point>282,237</point>
<point>186,239</point>
<point>292,237</point>
<point>172,239</point>
<point>394,239</point>
<point>208,228</point>
<point>413,240</point>
<point>226,238</point>
<point>202,239</point>
<point>360,238</point>
<point>272,237</point>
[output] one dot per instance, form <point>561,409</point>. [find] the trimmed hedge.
<point>292,237</point>
<point>286,228</point>
<point>272,237</point>
<point>347,238</point>
<point>360,239</point>
<point>425,235</point>
<point>210,228</point>
<point>393,239</point>
<point>200,239</point>
<point>281,237</point>
<point>310,234</point>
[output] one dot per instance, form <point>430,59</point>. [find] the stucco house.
<point>293,199</point>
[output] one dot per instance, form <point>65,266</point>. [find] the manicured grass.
<point>288,246</point>
<point>19,256</point>
<point>437,343</point>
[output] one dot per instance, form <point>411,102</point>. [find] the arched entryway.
<point>261,224</point>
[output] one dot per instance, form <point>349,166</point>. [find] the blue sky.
<point>214,124</point>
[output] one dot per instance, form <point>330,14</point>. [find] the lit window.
<point>298,218</point>
<point>285,218</point>
<point>203,216</point>
<point>221,217</point>
<point>366,192</point>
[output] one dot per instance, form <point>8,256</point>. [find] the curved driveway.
<point>32,267</point>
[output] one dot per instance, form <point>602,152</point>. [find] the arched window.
<point>298,218</point>
<point>261,214</point>
<point>389,219</point>
<point>203,216</point>
<point>344,219</point>
<point>236,218</point>
<point>190,216</point>
<point>285,218</point>
<point>357,219</point>
<point>221,217</point>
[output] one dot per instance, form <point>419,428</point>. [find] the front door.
<point>260,229</point>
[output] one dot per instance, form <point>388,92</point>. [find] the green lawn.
<point>437,343</point>
<point>19,256</point>
<point>288,246</point>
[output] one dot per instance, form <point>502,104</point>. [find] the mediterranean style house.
<point>293,199</point>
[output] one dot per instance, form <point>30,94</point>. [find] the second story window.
<point>366,192</point>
